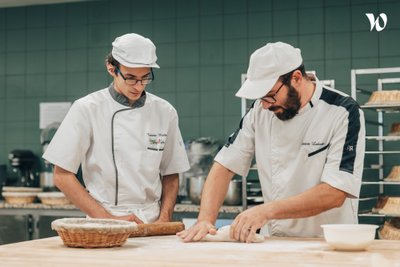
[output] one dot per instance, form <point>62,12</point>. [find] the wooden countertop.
<point>171,251</point>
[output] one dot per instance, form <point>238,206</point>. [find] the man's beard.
<point>292,105</point>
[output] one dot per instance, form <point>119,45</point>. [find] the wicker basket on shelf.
<point>53,198</point>
<point>22,189</point>
<point>19,197</point>
<point>93,233</point>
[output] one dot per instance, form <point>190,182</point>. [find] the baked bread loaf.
<point>395,129</point>
<point>380,204</point>
<point>394,175</point>
<point>384,97</point>
<point>391,207</point>
<point>390,230</point>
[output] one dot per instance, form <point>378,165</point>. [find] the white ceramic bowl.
<point>349,236</point>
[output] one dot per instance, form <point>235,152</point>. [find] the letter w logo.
<point>375,22</point>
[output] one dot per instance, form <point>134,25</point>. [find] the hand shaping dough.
<point>222,235</point>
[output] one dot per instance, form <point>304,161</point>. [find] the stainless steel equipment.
<point>196,184</point>
<point>46,180</point>
<point>46,176</point>
<point>22,162</point>
<point>201,153</point>
<point>233,196</point>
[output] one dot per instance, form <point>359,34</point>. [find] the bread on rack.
<point>395,129</point>
<point>390,229</point>
<point>380,204</point>
<point>394,175</point>
<point>384,97</point>
<point>391,206</point>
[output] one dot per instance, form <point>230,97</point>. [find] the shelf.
<point>384,138</point>
<point>382,152</point>
<point>367,198</point>
<point>374,167</point>
<point>375,116</point>
<point>381,182</point>
<point>370,214</point>
<point>389,108</point>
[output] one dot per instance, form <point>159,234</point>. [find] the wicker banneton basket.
<point>22,189</point>
<point>53,198</point>
<point>19,197</point>
<point>93,233</point>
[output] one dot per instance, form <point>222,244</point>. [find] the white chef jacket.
<point>325,142</point>
<point>123,150</point>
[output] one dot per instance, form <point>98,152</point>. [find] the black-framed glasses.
<point>270,99</point>
<point>133,81</point>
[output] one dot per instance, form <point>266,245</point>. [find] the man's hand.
<point>197,231</point>
<point>246,224</point>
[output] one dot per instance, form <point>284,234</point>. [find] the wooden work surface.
<point>171,251</point>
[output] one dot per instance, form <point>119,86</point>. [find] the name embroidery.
<point>313,143</point>
<point>156,141</point>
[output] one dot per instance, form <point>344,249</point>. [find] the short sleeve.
<point>69,145</point>
<point>174,159</point>
<point>238,152</point>
<point>344,164</point>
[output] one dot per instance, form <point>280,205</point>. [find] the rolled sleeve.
<point>344,181</point>
<point>234,160</point>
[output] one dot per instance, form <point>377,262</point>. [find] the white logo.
<point>350,148</point>
<point>375,22</point>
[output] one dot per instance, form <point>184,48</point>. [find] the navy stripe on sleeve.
<point>353,128</point>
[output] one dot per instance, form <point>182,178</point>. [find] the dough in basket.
<point>222,235</point>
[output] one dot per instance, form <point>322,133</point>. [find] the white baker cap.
<point>134,51</point>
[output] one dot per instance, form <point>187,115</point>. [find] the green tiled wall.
<point>56,53</point>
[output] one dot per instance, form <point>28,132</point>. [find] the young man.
<point>308,141</point>
<point>127,141</point>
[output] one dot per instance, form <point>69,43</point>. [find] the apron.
<point>148,213</point>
